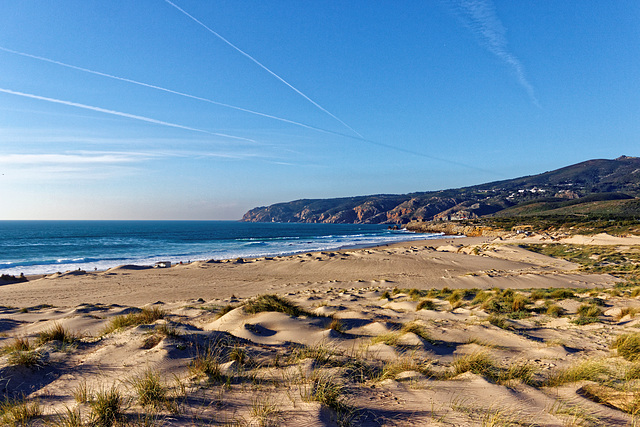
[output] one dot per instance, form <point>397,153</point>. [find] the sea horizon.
<point>34,247</point>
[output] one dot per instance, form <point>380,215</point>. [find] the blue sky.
<point>202,110</point>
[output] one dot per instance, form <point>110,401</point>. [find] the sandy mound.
<point>343,342</point>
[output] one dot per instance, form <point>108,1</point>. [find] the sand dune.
<point>373,342</point>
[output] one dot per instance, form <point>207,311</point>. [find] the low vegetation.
<point>263,303</point>
<point>628,346</point>
<point>145,316</point>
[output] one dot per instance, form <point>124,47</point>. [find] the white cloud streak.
<point>481,18</point>
<point>121,114</point>
<point>163,89</point>
<point>71,159</point>
<point>258,63</point>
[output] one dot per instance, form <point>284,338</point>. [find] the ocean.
<point>42,247</point>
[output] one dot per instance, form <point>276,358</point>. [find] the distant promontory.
<point>606,187</point>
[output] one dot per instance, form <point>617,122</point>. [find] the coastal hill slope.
<point>600,185</point>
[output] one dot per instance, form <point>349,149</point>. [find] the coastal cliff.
<point>601,187</point>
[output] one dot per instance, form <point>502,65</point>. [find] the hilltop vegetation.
<point>599,189</point>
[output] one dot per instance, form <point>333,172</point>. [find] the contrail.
<point>118,113</point>
<point>174,92</point>
<point>359,138</point>
<point>160,122</point>
<point>262,66</point>
<point>480,17</point>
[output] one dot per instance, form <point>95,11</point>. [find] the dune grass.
<point>328,391</point>
<point>29,358</point>
<point>18,344</point>
<point>588,313</point>
<point>206,363</point>
<point>57,333</point>
<point>266,412</point>
<point>426,304</point>
<point>479,363</point>
<point>21,353</point>
<point>628,346</point>
<point>150,389</point>
<point>19,411</point>
<point>144,317</point>
<point>275,303</point>
<point>70,418</point>
<point>597,370</point>
<point>107,407</point>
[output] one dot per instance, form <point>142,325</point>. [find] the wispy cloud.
<point>481,18</point>
<point>171,91</point>
<point>81,158</point>
<point>121,114</point>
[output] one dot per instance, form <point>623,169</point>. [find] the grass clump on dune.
<point>590,369</point>
<point>588,313</point>
<point>206,363</point>
<point>478,363</point>
<point>19,412</point>
<point>18,344</point>
<point>426,304</point>
<point>106,407</point>
<point>144,317</point>
<point>150,390</point>
<point>554,310</point>
<point>263,303</point>
<point>21,353</point>
<point>57,333</point>
<point>330,393</point>
<point>628,346</point>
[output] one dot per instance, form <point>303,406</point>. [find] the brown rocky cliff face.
<point>453,228</point>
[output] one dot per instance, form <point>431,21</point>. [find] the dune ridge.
<point>421,333</point>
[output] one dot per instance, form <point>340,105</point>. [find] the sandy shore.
<point>390,356</point>
<point>422,265</point>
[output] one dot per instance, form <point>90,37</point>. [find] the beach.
<point>386,330</point>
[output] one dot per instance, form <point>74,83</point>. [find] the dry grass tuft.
<point>597,370</point>
<point>628,346</point>
<point>144,317</point>
<point>150,390</point>
<point>57,333</point>
<point>19,412</point>
<point>106,407</point>
<point>263,303</point>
